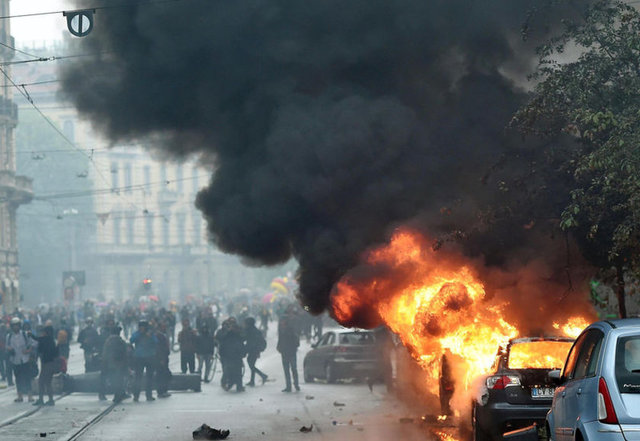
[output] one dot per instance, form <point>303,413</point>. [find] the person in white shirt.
<point>20,347</point>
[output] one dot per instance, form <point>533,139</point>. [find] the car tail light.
<point>606,412</point>
<point>502,381</point>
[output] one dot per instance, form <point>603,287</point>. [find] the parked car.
<point>598,393</point>
<point>341,354</point>
<point>518,392</point>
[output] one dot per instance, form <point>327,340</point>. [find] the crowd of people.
<point>130,344</point>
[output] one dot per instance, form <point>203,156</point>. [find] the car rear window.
<point>543,354</point>
<point>356,338</point>
<point>628,364</point>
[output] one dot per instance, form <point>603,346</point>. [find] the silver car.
<point>598,393</point>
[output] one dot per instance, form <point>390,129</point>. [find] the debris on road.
<point>309,397</point>
<point>305,429</point>
<point>337,404</point>
<point>209,433</point>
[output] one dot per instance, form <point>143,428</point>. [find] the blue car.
<point>598,393</point>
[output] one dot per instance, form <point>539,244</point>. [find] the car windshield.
<point>356,338</point>
<point>628,364</point>
<point>542,354</point>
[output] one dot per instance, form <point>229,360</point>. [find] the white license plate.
<point>542,392</point>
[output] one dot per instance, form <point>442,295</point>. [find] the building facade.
<point>14,190</point>
<point>118,213</point>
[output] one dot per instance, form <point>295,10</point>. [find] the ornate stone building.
<point>14,190</point>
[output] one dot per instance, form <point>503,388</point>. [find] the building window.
<point>197,228</point>
<point>116,230</point>
<point>195,180</point>
<point>130,229</point>
<point>147,178</point>
<point>181,228</point>
<point>165,232</point>
<point>179,178</point>
<point>163,174</point>
<point>114,175</point>
<point>149,228</point>
<point>127,178</point>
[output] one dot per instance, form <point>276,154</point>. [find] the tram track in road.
<point>27,413</point>
<point>93,422</point>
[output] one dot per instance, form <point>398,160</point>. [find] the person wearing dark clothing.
<point>204,348</point>
<point>188,342</point>
<point>89,343</point>
<point>144,357</point>
<point>5,366</point>
<point>114,365</point>
<point>255,344</point>
<point>232,351</point>
<point>62,340</point>
<point>49,364</point>
<point>163,349</point>
<point>288,342</point>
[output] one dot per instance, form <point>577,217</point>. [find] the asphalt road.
<point>260,413</point>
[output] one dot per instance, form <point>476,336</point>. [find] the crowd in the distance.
<point>129,344</point>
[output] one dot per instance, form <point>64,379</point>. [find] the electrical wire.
<point>95,8</point>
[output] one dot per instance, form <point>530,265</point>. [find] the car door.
<point>561,426</point>
<point>581,389</point>
<point>325,352</point>
<point>314,366</point>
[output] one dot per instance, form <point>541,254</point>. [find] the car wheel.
<point>308,378</point>
<point>479,433</point>
<point>329,374</point>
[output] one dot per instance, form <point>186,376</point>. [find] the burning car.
<point>518,392</point>
<point>342,354</point>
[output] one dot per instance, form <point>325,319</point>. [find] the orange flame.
<point>436,303</point>
<point>572,327</point>
<point>539,354</point>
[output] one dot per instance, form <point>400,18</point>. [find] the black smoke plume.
<point>327,123</point>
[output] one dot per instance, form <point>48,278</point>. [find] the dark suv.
<point>518,392</point>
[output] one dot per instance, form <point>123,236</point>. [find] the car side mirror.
<point>315,345</point>
<point>555,376</point>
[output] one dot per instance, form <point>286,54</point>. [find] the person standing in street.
<point>188,342</point>
<point>5,366</point>
<point>205,348</point>
<point>49,364</point>
<point>19,348</point>
<point>232,351</point>
<point>144,354</point>
<point>256,343</point>
<point>88,339</point>
<point>288,343</point>
<point>114,365</point>
<point>163,349</point>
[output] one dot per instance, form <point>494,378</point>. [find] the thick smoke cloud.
<point>327,122</point>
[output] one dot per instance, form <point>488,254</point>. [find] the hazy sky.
<point>38,29</point>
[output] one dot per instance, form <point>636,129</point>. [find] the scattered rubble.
<point>337,404</point>
<point>305,429</point>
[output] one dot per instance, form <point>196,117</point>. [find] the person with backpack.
<point>20,347</point>
<point>49,364</point>
<point>255,344</point>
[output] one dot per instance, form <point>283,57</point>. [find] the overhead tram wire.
<point>25,94</point>
<point>95,8</point>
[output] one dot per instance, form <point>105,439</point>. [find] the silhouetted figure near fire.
<point>447,386</point>
<point>232,350</point>
<point>288,342</point>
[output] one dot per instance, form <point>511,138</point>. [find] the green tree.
<point>588,90</point>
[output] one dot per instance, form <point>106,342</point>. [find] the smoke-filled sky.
<point>328,122</point>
